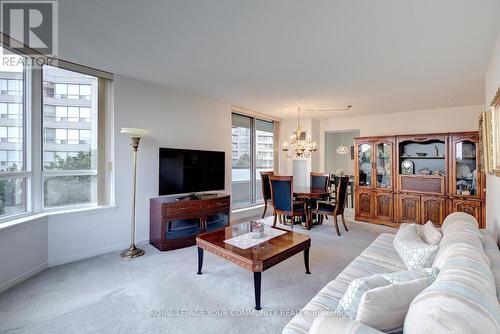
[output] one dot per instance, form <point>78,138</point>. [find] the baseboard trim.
<point>30,273</point>
<point>91,253</point>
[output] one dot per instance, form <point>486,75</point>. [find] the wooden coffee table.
<point>255,259</point>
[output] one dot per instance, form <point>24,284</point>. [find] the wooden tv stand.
<point>175,222</point>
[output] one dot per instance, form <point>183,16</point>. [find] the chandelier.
<point>301,145</point>
<point>342,149</point>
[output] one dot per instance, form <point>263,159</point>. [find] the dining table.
<point>308,195</point>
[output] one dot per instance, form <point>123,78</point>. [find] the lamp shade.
<point>342,149</point>
<point>134,132</point>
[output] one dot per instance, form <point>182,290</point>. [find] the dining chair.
<point>334,181</point>
<point>334,208</point>
<point>282,199</point>
<point>266,189</point>
<point>320,180</point>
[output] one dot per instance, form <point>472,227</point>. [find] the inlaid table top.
<point>257,258</point>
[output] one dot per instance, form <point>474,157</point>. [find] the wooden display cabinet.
<point>375,179</point>
<point>444,178</point>
<point>466,181</point>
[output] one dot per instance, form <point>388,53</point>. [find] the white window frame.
<point>33,143</point>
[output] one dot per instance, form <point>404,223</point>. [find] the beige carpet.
<point>161,293</point>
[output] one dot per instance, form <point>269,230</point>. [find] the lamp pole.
<point>133,251</point>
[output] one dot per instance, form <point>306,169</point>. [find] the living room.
<point>190,73</point>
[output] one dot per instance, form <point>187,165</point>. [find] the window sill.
<point>247,208</point>
<point>32,219</point>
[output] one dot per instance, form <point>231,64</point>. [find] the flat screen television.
<point>190,171</point>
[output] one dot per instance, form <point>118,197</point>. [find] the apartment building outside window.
<point>65,171</point>
<point>253,142</point>
<point>69,138</point>
<point>14,174</point>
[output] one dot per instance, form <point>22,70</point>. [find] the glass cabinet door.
<point>383,165</point>
<point>466,168</point>
<point>365,165</point>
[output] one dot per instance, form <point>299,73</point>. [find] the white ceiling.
<point>272,55</point>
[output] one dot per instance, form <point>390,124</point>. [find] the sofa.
<point>464,298</point>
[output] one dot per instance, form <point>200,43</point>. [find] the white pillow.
<point>412,250</point>
<point>385,308</point>
<point>430,234</point>
<point>348,304</point>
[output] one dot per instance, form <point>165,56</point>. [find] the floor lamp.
<point>135,136</point>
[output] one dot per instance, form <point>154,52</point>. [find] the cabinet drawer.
<point>217,203</point>
<point>180,207</point>
<point>422,183</point>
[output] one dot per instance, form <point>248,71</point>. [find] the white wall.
<point>493,182</point>
<point>23,251</point>
<point>421,121</point>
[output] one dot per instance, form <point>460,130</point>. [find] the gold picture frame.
<point>489,127</point>
<point>485,144</point>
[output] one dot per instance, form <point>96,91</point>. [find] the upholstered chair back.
<point>320,180</point>
<point>282,192</point>
<point>266,185</point>
<point>341,193</point>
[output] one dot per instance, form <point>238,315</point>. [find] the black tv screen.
<point>189,171</point>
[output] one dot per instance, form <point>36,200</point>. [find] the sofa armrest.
<point>338,325</point>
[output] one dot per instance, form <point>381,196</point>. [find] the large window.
<point>49,141</point>
<point>69,138</point>
<point>14,174</point>
<point>252,152</point>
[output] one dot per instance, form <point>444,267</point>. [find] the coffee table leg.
<point>306,260</point>
<point>256,284</point>
<point>200,260</point>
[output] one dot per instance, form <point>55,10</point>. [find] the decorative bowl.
<point>421,154</point>
<point>425,171</point>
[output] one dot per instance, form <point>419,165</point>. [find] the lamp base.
<point>132,252</point>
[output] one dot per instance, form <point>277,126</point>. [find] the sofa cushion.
<point>463,299</point>
<point>430,234</point>
<point>379,257</point>
<point>491,250</point>
<point>414,252</point>
<point>461,221</point>
<point>460,235</point>
<point>331,324</point>
<point>384,308</point>
<point>452,306</point>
